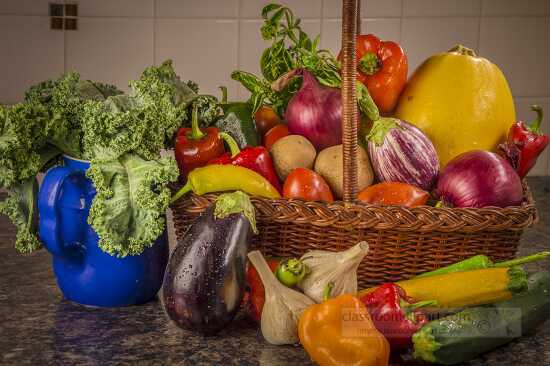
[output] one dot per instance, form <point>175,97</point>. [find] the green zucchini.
<point>457,338</point>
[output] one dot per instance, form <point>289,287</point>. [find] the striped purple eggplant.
<point>400,152</point>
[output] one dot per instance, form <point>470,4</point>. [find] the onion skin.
<point>315,112</point>
<point>400,152</point>
<point>479,179</point>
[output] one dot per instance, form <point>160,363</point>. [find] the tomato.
<point>256,297</point>
<point>394,193</point>
<point>306,184</point>
<point>274,134</point>
<point>265,119</point>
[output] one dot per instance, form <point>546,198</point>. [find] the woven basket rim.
<point>382,217</point>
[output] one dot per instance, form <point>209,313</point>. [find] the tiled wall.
<point>207,39</point>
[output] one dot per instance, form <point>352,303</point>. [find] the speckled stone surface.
<point>38,327</point>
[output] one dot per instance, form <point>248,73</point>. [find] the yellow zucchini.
<point>470,288</point>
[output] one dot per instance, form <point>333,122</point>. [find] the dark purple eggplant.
<point>205,279</point>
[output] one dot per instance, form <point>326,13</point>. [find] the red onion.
<point>400,152</point>
<point>479,179</point>
<point>315,112</point>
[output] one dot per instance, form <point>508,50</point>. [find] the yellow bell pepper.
<point>340,332</point>
<point>469,288</point>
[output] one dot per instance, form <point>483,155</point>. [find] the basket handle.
<point>350,113</point>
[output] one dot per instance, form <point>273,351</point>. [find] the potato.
<point>291,152</point>
<point>330,165</point>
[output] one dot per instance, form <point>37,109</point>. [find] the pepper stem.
<point>535,125</point>
<point>230,141</point>
<point>463,50</point>
<point>327,291</point>
<point>523,260</point>
<point>196,133</point>
<point>224,94</point>
<point>188,187</point>
<point>421,304</point>
<point>369,63</point>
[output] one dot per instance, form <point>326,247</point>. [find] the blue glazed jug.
<point>85,274</point>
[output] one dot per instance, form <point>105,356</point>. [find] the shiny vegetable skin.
<point>257,290</point>
<point>275,134</point>
<point>265,119</point>
<point>394,193</point>
<point>340,332</point>
<point>460,337</point>
<point>470,288</point>
<point>206,276</point>
<point>525,143</point>
<point>195,147</point>
<point>221,178</point>
<point>307,185</point>
<point>382,67</point>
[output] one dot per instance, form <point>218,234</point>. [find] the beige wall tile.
<point>197,8</point>
<point>115,8</point>
<point>385,28</point>
<point>300,8</point>
<point>204,51</point>
<point>514,44</point>
<point>515,7</point>
<point>524,113</point>
<point>114,50</point>
<point>369,8</point>
<point>424,8</point>
<point>25,7</point>
<point>423,37</point>
<point>30,53</point>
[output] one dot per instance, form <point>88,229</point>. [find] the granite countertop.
<point>38,327</point>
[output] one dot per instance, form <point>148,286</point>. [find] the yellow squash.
<point>462,102</point>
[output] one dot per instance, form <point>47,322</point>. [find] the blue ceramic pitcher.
<point>85,274</point>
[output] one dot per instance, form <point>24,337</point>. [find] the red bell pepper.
<point>382,68</point>
<point>525,143</point>
<point>195,147</point>
<point>254,158</point>
<point>394,314</point>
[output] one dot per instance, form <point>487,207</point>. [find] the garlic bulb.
<point>282,308</point>
<point>338,268</point>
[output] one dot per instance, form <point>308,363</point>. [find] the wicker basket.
<point>403,241</point>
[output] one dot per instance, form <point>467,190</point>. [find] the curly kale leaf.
<point>132,197</point>
<point>160,82</point>
<point>21,206</point>
<point>22,132</point>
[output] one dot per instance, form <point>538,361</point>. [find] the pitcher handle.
<point>50,233</point>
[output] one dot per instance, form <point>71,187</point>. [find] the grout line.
<point>155,32</point>
<point>401,22</point>
<point>239,44</point>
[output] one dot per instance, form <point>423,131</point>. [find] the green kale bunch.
<point>121,135</point>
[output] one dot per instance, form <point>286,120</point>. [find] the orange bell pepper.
<point>340,332</point>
